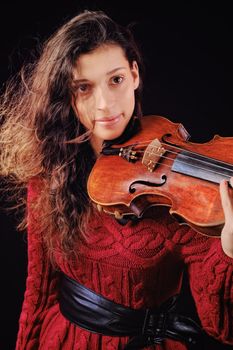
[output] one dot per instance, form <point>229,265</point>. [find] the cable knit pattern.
<point>41,290</point>
<point>138,265</point>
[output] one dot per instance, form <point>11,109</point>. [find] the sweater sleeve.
<point>210,273</point>
<point>41,284</point>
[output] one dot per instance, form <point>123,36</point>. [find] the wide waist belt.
<point>97,314</point>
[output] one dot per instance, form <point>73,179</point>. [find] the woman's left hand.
<point>227,204</point>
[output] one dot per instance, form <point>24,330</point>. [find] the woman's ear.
<point>135,74</point>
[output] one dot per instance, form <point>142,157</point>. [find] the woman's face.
<point>104,98</point>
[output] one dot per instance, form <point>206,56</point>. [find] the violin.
<point>159,166</point>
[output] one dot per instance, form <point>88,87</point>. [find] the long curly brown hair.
<point>38,126</point>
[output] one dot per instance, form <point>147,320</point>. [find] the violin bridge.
<point>152,154</point>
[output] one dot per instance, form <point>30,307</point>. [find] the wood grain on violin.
<point>159,166</point>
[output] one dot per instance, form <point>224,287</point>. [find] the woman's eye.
<point>83,88</point>
<point>117,80</point>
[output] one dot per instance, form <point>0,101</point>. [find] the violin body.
<point>159,166</point>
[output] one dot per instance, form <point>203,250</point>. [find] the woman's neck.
<point>96,144</point>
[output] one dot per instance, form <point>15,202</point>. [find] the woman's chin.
<point>108,134</point>
<point>111,136</point>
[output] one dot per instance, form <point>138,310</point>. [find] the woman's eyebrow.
<point>114,70</point>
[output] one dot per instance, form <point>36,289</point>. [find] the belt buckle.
<point>154,326</point>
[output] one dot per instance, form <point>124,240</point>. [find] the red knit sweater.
<point>134,265</point>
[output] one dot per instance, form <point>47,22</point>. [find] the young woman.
<point>92,282</point>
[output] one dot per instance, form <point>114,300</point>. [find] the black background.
<point>187,51</point>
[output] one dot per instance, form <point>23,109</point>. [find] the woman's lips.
<point>108,120</point>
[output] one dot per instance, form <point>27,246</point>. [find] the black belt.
<point>97,314</point>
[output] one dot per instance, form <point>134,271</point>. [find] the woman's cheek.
<point>85,113</point>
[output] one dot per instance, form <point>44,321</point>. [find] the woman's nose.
<point>103,98</point>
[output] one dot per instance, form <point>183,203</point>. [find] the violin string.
<point>181,149</point>
<point>188,156</point>
<point>224,175</point>
<point>195,166</point>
